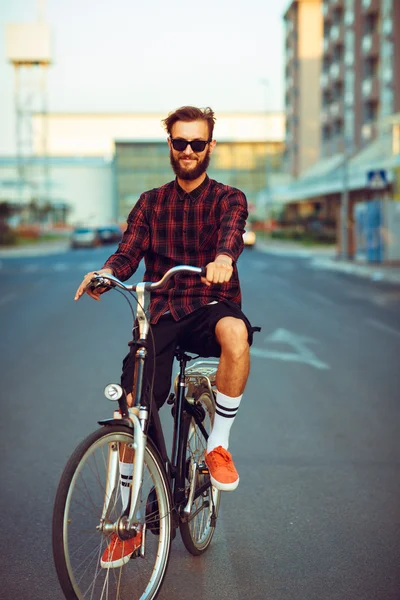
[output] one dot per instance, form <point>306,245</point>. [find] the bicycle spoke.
<point>81,541</point>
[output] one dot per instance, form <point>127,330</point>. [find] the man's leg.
<point>232,375</point>
<point>234,364</point>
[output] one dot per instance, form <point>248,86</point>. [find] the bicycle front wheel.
<point>79,541</point>
<point>197,528</point>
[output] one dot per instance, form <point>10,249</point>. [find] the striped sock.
<point>225,413</point>
<point>125,473</point>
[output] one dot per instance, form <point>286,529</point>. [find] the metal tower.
<point>28,48</point>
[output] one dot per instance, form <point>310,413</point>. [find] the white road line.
<point>88,266</point>
<point>319,297</point>
<point>61,267</point>
<point>7,298</point>
<point>383,327</point>
<point>31,268</point>
<point>278,280</point>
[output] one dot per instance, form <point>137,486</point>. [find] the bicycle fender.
<point>108,422</point>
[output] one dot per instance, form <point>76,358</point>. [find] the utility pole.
<point>344,210</point>
<point>265,83</point>
<point>344,204</point>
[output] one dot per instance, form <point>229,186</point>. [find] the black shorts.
<point>194,333</point>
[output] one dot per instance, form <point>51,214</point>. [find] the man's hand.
<point>93,293</point>
<point>219,271</point>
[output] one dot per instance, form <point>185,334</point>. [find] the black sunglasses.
<point>196,145</point>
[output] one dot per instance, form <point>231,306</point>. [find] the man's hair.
<point>190,113</point>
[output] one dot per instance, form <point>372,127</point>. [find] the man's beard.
<point>190,174</point>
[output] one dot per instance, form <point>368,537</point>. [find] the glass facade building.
<point>141,166</point>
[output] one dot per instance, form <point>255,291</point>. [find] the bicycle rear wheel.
<point>197,528</point>
<point>78,544</point>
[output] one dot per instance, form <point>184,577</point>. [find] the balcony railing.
<point>336,109</point>
<point>370,89</point>
<point>336,71</point>
<point>370,44</point>
<point>349,16</point>
<point>326,45</point>
<point>324,79</point>
<point>370,6</point>
<point>337,34</point>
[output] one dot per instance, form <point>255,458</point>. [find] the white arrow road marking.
<point>298,343</point>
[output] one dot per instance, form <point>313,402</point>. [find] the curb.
<point>327,260</point>
<point>372,272</point>
<point>34,250</point>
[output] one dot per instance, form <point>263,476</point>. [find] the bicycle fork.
<point>124,526</point>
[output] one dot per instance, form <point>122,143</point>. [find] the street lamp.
<point>265,83</point>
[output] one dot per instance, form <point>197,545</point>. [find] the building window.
<point>370,67</point>
<point>370,23</point>
<point>370,112</point>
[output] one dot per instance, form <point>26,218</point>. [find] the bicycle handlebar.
<point>104,280</point>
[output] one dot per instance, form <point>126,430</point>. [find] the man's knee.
<point>232,335</point>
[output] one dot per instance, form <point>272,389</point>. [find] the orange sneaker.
<point>118,552</point>
<point>223,474</point>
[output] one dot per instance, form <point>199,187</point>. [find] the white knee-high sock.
<point>125,480</point>
<point>225,414</point>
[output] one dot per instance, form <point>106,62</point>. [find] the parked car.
<point>85,237</point>
<point>109,234</point>
<point>249,237</point>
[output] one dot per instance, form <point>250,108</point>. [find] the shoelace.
<point>220,452</point>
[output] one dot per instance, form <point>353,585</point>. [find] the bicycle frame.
<point>139,418</point>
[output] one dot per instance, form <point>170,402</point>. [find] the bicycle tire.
<point>78,546</point>
<point>197,530</point>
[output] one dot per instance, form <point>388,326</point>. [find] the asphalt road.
<point>317,513</point>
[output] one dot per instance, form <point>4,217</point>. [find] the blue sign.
<point>377,180</point>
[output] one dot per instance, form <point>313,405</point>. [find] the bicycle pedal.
<point>203,469</point>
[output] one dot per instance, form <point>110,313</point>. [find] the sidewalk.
<point>326,258</point>
<point>31,250</point>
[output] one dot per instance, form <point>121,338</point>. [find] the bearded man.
<point>196,221</point>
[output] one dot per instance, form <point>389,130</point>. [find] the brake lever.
<point>101,282</point>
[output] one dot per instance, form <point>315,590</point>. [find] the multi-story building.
<point>303,45</point>
<point>359,82</point>
<point>354,105</point>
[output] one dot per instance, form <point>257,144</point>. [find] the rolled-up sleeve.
<point>234,215</point>
<point>135,242</point>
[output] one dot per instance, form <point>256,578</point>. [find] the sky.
<point>152,56</point>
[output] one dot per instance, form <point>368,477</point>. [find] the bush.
<point>8,236</point>
<point>300,234</point>
<point>28,232</point>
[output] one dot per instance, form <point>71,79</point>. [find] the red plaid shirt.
<point>169,227</point>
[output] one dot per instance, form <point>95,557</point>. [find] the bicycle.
<point>166,493</point>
